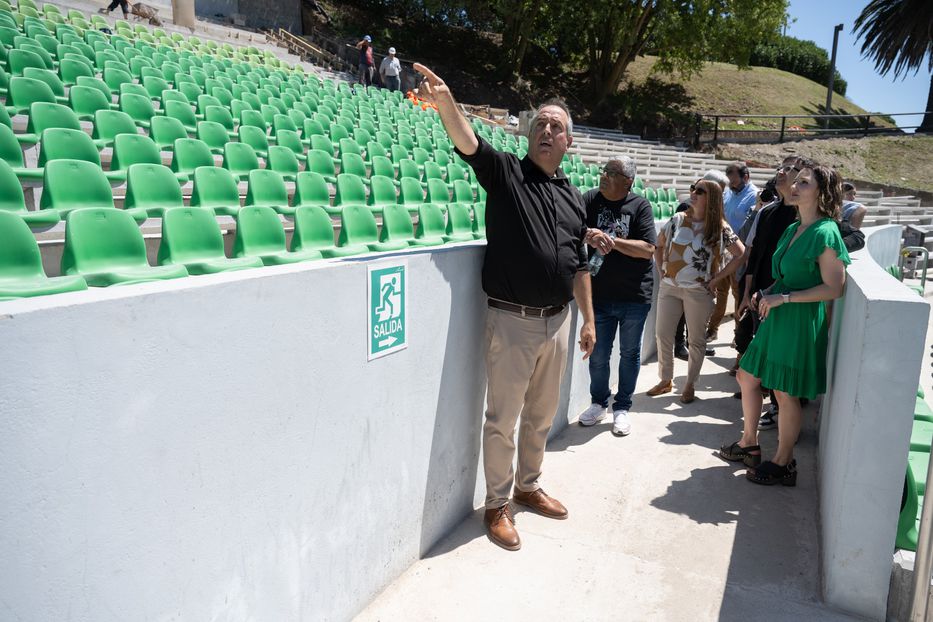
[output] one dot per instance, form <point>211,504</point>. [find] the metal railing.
<point>851,125</point>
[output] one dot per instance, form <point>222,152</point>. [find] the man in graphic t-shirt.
<point>621,231</point>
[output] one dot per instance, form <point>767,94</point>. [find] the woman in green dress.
<point>788,354</point>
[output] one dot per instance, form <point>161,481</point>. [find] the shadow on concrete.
<point>458,418</point>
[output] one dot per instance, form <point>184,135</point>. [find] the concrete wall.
<point>219,448</point>
<point>875,358</point>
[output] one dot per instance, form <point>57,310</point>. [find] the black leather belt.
<point>526,311</point>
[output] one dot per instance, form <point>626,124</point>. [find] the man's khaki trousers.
<point>525,360</point>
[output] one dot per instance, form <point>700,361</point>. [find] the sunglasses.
<point>697,190</point>
<point>787,168</point>
<point>612,174</point>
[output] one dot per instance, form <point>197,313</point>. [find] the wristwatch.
<point>786,297</point>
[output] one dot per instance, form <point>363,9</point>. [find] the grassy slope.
<point>903,161</point>
<point>723,88</point>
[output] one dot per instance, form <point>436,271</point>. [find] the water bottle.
<point>596,261</point>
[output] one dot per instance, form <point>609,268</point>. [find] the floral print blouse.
<point>688,261</point>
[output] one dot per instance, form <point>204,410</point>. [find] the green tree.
<point>897,35</point>
<point>607,35</point>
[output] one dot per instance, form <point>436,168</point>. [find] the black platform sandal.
<point>735,453</point>
<point>769,474</point>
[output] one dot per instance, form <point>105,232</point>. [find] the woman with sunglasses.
<point>788,353</point>
<point>690,253</point>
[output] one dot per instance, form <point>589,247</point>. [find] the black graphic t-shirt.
<point>622,278</point>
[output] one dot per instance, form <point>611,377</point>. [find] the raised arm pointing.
<point>434,90</point>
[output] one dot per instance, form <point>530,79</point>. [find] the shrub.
<point>803,58</point>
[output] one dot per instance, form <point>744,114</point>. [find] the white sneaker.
<point>621,426</point>
<point>592,415</point>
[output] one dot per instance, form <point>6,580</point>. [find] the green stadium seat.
<point>153,188</point>
<point>139,108</point>
<point>358,231</point>
<point>291,140</point>
<point>382,165</point>
<point>350,191</point>
<point>114,78</point>
<point>75,184</point>
<point>43,116</point>
<point>431,229</point>
<point>259,233</point>
<point>921,436</point>
<point>310,189</point>
<point>256,138</point>
<point>459,223</point>
<point>155,85</point>
<point>411,194</point>
<point>382,193</point>
<point>908,523</point>
<point>215,189</point>
<point>19,59</point>
<point>51,78</point>
<point>213,134</point>
<point>240,159</point>
<point>191,237</point>
<point>463,192</point>
<point>221,115</point>
<point>110,123</point>
<point>283,161</point>
<point>184,113</point>
<point>917,463</point>
<point>267,188</point>
<point>130,149</point>
<point>190,153</point>
<point>12,154</point>
<point>314,231</point>
<point>409,168</point>
<point>396,229</point>
<point>164,131</point>
<point>21,273</point>
<point>922,411</point>
<point>65,144</point>
<point>322,163</point>
<point>13,201</point>
<point>353,163</point>
<point>438,192</point>
<point>85,101</point>
<point>23,92</point>
<point>131,88</point>
<point>106,247</point>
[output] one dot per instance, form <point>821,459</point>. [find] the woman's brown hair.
<point>829,186</point>
<point>712,224</point>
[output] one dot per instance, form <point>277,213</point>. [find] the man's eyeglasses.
<point>612,174</point>
<point>697,189</point>
<point>787,168</point>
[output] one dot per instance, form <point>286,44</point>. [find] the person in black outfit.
<point>123,4</point>
<point>772,221</point>
<point>535,263</point>
<point>623,280</point>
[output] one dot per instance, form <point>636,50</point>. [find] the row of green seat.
<point>151,188</point>
<point>918,461</point>
<point>104,246</point>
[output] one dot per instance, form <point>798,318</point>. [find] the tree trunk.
<point>927,125</point>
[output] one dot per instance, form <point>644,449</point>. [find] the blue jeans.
<point>629,318</point>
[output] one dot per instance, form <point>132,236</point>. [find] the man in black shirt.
<point>535,263</point>
<point>623,279</point>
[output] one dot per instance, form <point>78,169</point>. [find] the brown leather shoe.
<point>541,503</point>
<point>665,386</point>
<point>500,527</point>
<point>687,395</point>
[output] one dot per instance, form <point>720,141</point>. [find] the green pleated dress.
<point>788,352</point>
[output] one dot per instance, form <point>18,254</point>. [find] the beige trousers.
<point>694,303</point>
<point>722,299</point>
<point>525,360</point>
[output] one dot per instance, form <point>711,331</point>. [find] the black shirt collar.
<point>530,168</point>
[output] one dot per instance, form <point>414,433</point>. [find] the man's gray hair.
<point>629,169</point>
<point>718,176</point>
<point>559,103</point>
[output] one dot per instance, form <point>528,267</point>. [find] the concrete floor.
<point>659,528</point>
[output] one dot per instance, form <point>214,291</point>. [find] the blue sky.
<point>815,21</point>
